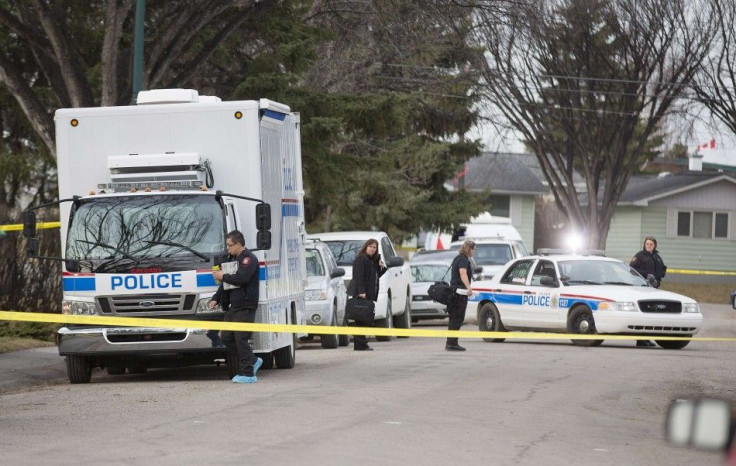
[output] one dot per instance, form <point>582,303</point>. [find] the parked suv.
<point>493,253</point>
<point>325,293</point>
<point>393,308</point>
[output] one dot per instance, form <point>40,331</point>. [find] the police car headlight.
<point>315,295</point>
<point>78,308</point>
<point>622,307</point>
<point>690,307</point>
<point>203,306</point>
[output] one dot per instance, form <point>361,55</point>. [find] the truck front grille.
<point>147,304</point>
<point>660,306</point>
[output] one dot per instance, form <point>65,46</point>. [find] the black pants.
<point>237,343</point>
<point>456,310</point>
<point>361,341</point>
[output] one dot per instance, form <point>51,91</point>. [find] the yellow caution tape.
<point>319,330</point>
<point>699,272</point>
<point>40,226</point>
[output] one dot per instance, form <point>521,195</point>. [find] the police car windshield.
<point>137,228</point>
<point>345,251</point>
<point>598,272</point>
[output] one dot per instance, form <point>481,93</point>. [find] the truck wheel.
<point>581,322</point>
<point>329,341</point>
<point>489,320</point>
<point>673,344</point>
<point>286,356</point>
<point>78,369</point>
<point>385,323</point>
<point>343,340</point>
<point>404,320</point>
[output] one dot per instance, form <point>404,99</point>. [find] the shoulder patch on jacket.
<point>246,261</point>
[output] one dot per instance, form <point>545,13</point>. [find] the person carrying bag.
<point>367,269</point>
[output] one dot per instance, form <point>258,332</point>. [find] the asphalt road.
<point>409,401</point>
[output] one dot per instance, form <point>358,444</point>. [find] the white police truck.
<point>147,194</point>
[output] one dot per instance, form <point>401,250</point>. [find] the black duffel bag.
<point>441,292</point>
<point>360,310</point>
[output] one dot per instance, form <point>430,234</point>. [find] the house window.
<point>683,224</point>
<point>703,224</point>
<point>500,205</point>
<point>721,226</point>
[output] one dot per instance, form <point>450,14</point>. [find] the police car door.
<point>540,305</point>
<point>511,291</point>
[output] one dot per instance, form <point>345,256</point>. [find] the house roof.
<point>642,189</point>
<point>503,173</point>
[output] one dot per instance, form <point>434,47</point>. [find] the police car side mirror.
<point>548,281</point>
<point>72,266</point>
<point>703,423</point>
<point>338,272</point>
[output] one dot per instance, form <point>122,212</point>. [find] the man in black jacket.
<point>239,301</point>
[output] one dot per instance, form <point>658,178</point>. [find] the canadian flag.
<point>460,174</point>
<point>707,145</point>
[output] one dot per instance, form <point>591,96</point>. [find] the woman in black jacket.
<point>649,262</point>
<point>367,269</point>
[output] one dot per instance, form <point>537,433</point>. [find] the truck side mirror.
<point>32,247</point>
<point>263,239</point>
<point>29,224</point>
<point>263,216</point>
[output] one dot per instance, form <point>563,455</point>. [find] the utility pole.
<point>140,19</point>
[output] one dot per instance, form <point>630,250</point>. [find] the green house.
<point>691,214</point>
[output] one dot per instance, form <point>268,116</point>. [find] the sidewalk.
<point>33,367</point>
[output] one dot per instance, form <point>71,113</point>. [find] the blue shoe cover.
<point>245,379</point>
<point>257,365</point>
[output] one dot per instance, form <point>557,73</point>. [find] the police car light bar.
<point>582,252</point>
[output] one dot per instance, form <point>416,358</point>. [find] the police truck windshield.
<point>134,230</point>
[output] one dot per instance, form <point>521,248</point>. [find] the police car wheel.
<point>489,320</point>
<point>673,344</point>
<point>581,322</point>
<point>386,323</point>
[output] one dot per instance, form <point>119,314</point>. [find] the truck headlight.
<point>203,306</point>
<point>78,308</point>
<point>690,307</point>
<point>623,307</point>
<point>315,295</point>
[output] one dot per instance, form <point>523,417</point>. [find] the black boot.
<point>452,345</point>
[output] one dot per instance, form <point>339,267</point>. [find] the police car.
<point>581,294</point>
